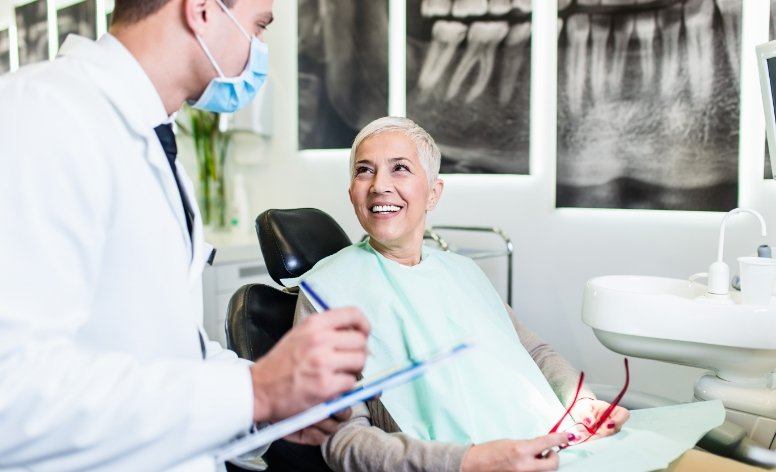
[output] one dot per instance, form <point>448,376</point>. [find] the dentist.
<point>102,363</point>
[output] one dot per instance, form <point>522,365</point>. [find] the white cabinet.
<point>234,266</point>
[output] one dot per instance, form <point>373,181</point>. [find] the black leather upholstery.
<point>293,241</point>
<point>258,316</point>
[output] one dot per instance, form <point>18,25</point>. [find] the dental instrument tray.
<point>364,390</point>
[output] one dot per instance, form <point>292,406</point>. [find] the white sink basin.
<point>660,318</point>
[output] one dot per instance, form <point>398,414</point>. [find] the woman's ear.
<point>436,193</point>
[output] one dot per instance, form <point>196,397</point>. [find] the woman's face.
<point>390,191</point>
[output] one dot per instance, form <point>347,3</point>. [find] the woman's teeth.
<point>385,209</point>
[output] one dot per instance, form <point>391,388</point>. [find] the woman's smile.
<point>385,211</point>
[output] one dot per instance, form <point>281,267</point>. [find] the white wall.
<point>557,250</point>
<point>5,12</point>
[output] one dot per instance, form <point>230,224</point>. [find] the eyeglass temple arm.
<point>614,403</point>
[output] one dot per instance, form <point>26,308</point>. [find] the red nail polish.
<point>588,421</point>
<point>610,426</point>
<point>572,437</point>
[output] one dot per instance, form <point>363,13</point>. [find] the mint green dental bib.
<point>496,391</point>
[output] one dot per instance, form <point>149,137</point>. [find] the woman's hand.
<point>514,456</point>
<point>587,411</point>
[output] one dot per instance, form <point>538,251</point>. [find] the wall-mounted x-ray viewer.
<point>766,59</point>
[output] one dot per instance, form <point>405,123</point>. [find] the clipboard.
<point>364,390</point>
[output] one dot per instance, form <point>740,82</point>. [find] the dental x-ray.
<point>469,81</point>
<point>648,104</point>
<point>343,69</point>
<point>32,31</point>
<point>5,51</point>
<point>79,18</point>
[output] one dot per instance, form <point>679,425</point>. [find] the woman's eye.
<point>361,170</point>
<point>401,167</point>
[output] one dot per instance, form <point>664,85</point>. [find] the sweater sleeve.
<point>561,375</point>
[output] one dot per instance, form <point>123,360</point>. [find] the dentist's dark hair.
<point>132,11</point>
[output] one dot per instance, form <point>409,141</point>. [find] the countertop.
<point>234,247</point>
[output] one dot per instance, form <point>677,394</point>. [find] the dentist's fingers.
<point>315,361</point>
<point>343,382</point>
<point>316,434</point>
<point>310,436</point>
<point>350,340</point>
<point>328,426</point>
<point>343,318</point>
<point>338,338</point>
<point>346,361</point>
<point>343,415</point>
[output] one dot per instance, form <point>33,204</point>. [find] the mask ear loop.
<point>234,20</point>
<point>210,56</point>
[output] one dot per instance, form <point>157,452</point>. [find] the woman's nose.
<point>381,183</point>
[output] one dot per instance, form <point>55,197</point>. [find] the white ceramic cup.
<point>758,275</point>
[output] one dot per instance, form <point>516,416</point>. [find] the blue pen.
<point>325,306</point>
<point>317,299</point>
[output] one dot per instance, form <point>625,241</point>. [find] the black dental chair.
<point>292,242</point>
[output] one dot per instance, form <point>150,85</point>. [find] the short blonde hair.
<point>428,152</point>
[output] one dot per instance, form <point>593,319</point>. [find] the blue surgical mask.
<point>229,94</point>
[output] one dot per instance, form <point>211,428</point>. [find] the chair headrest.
<point>293,241</point>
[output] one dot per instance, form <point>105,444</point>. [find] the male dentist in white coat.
<point>101,246</point>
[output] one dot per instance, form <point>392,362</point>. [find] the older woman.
<point>478,413</point>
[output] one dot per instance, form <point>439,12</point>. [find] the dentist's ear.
<point>196,14</point>
<point>435,194</point>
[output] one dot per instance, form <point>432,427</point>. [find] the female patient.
<point>477,413</point>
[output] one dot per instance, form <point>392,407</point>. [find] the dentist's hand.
<point>313,362</point>
<point>317,433</point>
<point>587,411</point>
<point>514,456</point>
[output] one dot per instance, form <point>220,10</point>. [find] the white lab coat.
<point>100,362</point>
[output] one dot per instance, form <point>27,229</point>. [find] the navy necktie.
<point>167,139</point>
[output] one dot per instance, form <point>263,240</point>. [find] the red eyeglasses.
<point>605,416</point>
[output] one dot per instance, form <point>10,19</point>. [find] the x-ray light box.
<point>766,59</point>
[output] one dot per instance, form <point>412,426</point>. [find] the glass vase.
<point>211,146</point>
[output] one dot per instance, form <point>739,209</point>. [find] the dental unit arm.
<point>729,439</point>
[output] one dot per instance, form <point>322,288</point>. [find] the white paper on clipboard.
<point>363,391</point>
